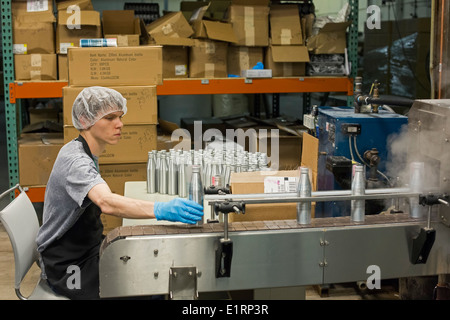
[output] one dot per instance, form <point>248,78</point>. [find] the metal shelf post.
<point>10,108</point>
<point>352,44</point>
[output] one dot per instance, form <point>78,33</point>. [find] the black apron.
<point>79,246</point>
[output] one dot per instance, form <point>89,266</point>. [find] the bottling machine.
<point>412,240</point>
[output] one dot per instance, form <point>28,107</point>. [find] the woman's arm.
<point>178,209</point>
<point>117,205</point>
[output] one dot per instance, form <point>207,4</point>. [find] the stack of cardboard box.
<point>251,26</point>
<point>208,56</point>
<point>33,40</point>
<point>76,19</point>
<point>286,55</point>
<point>134,72</point>
<point>173,32</point>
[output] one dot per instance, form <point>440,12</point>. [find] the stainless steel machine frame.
<point>181,261</point>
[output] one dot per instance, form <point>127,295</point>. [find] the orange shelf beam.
<point>248,86</point>
<point>38,89</point>
<point>36,194</point>
<point>53,89</point>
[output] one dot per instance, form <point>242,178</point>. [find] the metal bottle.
<point>157,173</point>
<point>416,181</point>
<point>303,191</point>
<point>163,174</point>
<point>196,192</point>
<point>172,179</point>
<point>151,173</point>
<point>358,188</point>
<point>182,186</point>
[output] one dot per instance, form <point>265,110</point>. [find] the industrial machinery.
<point>346,138</point>
<point>182,260</point>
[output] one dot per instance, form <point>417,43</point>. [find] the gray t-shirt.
<point>74,174</point>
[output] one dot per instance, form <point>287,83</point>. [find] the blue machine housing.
<point>336,126</point>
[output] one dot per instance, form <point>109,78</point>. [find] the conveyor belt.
<point>148,230</point>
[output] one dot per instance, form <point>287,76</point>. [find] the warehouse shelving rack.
<point>14,90</point>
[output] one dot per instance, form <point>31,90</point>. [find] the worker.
<point>71,233</point>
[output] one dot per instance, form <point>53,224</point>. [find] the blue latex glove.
<point>258,66</point>
<point>179,209</point>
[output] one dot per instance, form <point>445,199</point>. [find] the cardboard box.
<point>211,29</point>
<point>35,67</point>
<point>250,20</point>
<point>33,30</point>
<point>310,157</point>
<point>243,58</point>
<point>121,66</point>
<point>253,182</point>
<point>285,28</point>
<point>123,26</point>
<point>286,61</point>
<point>187,8</point>
<point>115,176</point>
<point>332,38</point>
<point>40,115</point>
<point>175,62</point>
<point>69,32</point>
<point>33,36</point>
<point>142,104</point>
<point>82,4</point>
<point>172,25</point>
<point>208,59</point>
<point>63,68</point>
<point>37,154</point>
<point>133,147</point>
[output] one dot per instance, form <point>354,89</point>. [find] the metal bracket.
<point>183,283</point>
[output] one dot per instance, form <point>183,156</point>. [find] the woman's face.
<point>108,128</point>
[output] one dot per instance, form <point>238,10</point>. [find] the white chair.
<point>20,221</point>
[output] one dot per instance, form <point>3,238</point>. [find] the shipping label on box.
<point>119,66</point>
<point>141,104</point>
<point>133,147</point>
<point>280,184</point>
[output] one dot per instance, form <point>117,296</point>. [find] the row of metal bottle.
<point>169,172</point>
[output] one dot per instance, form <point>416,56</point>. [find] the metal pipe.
<point>282,195</point>
<point>323,199</point>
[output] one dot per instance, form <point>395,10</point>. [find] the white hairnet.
<point>93,103</point>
